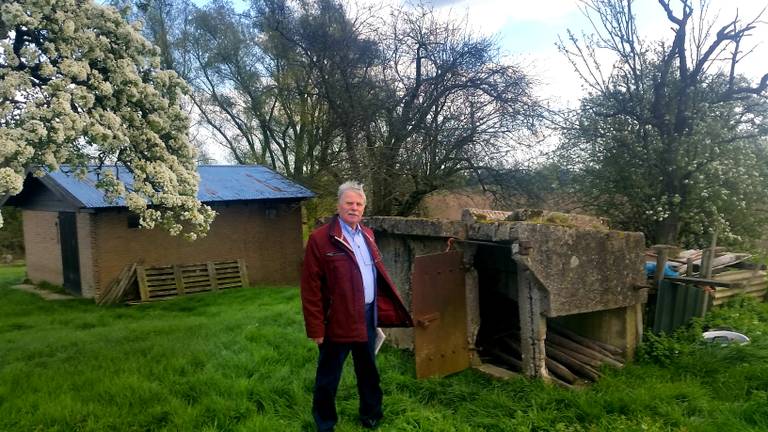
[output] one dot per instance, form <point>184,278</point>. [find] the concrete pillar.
<point>472,290</point>
<point>533,324</point>
<point>634,329</point>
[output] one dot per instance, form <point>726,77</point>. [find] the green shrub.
<point>659,349</point>
<point>742,314</point>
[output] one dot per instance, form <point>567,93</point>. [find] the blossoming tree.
<point>671,139</point>
<point>78,85</point>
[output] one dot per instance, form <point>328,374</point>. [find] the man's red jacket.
<point>332,288</point>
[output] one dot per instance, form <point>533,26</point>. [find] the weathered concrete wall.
<point>575,269</point>
<point>417,227</point>
<point>582,270</point>
<point>585,270</point>
<point>617,327</point>
<point>398,259</point>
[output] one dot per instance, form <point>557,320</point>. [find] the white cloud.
<point>558,80</point>
<point>558,84</point>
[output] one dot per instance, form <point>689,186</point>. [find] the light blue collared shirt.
<point>363,258</point>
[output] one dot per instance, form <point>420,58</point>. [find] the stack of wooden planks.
<point>750,283</point>
<point>571,359</point>
<point>116,291</point>
<point>692,262</point>
<point>726,274</point>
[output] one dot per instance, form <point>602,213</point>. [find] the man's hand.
<point>318,341</point>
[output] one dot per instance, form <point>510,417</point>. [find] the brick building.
<point>74,238</point>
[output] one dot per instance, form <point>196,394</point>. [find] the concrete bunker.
<point>525,290</point>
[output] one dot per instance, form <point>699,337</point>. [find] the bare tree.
<point>456,108</point>
<point>407,104</point>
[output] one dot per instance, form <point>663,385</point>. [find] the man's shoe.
<point>370,423</point>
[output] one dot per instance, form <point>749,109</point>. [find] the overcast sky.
<point>528,30</point>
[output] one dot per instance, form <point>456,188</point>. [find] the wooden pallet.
<point>157,283</point>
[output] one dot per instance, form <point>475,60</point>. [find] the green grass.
<point>239,361</point>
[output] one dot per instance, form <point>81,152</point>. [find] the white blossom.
<point>10,181</point>
<point>88,83</point>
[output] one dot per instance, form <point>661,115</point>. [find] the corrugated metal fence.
<point>676,304</point>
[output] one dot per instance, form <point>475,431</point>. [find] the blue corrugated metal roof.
<point>217,183</point>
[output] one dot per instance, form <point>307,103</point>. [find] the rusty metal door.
<point>440,314</point>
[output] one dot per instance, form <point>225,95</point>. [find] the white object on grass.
<point>725,337</point>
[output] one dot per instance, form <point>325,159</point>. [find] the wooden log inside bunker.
<point>572,364</point>
<point>594,354</point>
<point>569,371</point>
<point>614,352</point>
<point>507,359</point>
<point>617,352</point>
<point>575,355</point>
<point>508,347</point>
<point>558,370</point>
<point>511,345</point>
<point>600,358</point>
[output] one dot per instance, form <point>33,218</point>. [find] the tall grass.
<point>239,361</point>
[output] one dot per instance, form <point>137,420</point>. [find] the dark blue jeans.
<point>329,367</point>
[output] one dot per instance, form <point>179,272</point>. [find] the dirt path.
<point>47,295</point>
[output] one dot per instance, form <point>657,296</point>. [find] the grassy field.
<point>239,361</point>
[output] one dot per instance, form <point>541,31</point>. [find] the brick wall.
<point>267,236</point>
<point>43,251</point>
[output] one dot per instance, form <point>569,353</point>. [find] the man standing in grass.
<point>345,294</point>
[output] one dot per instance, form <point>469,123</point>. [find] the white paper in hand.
<point>380,336</point>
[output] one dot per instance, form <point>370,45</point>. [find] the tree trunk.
<point>351,151</point>
<point>668,230</point>
<point>413,200</point>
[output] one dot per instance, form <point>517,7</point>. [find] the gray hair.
<point>351,186</point>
